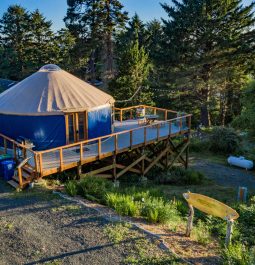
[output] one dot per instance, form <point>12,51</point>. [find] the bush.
<point>198,145</point>
<point>224,140</point>
<point>238,254</point>
<point>181,176</point>
<point>95,186</point>
<point>123,204</point>
<point>201,233</point>
<point>71,187</point>
<point>156,210</point>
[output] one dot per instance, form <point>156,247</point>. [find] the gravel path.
<point>42,228</point>
<point>225,175</point>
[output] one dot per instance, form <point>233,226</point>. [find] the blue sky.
<point>55,10</point>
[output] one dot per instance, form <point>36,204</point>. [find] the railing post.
<point>99,148</point>
<point>61,158</point>
<point>155,111</point>
<point>158,132</point>
<point>5,146</point>
<point>41,164</point>
<point>116,143</point>
<point>81,152</point>
<point>170,128</point>
<point>131,139</point>
<point>145,134</point>
<point>121,115</point>
<point>180,124</point>
<point>20,177</point>
<point>36,164</point>
<point>131,114</point>
<point>14,151</point>
<point>165,115</point>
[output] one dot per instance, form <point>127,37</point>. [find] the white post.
<point>190,220</point>
<point>229,232</point>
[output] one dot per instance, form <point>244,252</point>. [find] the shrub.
<point>201,233</point>
<point>238,254</point>
<point>181,176</point>
<point>198,145</point>
<point>224,140</point>
<point>123,204</point>
<point>71,187</point>
<point>156,210</point>
<point>95,186</point>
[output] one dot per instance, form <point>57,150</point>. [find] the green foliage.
<point>238,254</point>
<point>203,64</point>
<point>201,233</point>
<point>246,223</point>
<point>95,186</point>
<point>71,187</point>
<point>246,120</point>
<point>134,66</point>
<point>224,140</point>
<point>117,232</point>
<point>123,204</point>
<point>156,210</point>
<point>199,145</point>
<point>180,176</point>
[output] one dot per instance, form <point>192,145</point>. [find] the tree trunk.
<point>204,115</point>
<point>92,66</point>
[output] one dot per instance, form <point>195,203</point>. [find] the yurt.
<point>52,108</point>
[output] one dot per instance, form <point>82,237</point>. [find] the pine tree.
<point>202,39</point>
<point>14,28</point>
<point>133,70</point>
<point>94,22</point>
<point>41,41</point>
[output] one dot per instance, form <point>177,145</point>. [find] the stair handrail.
<point>20,165</point>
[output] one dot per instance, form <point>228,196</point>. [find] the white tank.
<point>240,162</point>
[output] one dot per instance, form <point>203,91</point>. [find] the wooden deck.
<point>128,135</point>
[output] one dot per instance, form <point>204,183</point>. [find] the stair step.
<point>28,169</point>
<point>13,183</point>
<point>26,175</point>
<point>24,180</point>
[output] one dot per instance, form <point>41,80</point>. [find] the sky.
<point>55,10</point>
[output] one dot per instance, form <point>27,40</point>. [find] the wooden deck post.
<point>121,115</point>
<point>131,139</point>
<point>61,159</point>
<point>165,115</point>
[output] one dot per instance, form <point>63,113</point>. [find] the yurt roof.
<point>52,91</point>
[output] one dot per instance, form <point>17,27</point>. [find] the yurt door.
<point>76,127</point>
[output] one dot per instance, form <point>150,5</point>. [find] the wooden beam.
<point>98,171</point>
<point>150,161</point>
<point>156,160</point>
<point>180,153</point>
<point>122,172</point>
<point>134,170</point>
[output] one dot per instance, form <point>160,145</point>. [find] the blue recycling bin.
<point>7,168</point>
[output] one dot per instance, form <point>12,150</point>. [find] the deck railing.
<point>122,114</point>
<point>68,156</point>
<point>61,158</point>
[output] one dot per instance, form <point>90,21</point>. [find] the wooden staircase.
<point>23,176</point>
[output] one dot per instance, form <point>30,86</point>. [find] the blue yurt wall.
<point>44,131</point>
<point>99,122</point>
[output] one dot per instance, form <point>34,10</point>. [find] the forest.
<point>199,60</point>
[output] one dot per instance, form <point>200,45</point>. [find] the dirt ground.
<point>42,228</point>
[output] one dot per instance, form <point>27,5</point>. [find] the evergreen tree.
<point>41,41</point>
<point>133,70</point>
<point>94,22</point>
<point>202,39</point>
<point>14,28</point>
